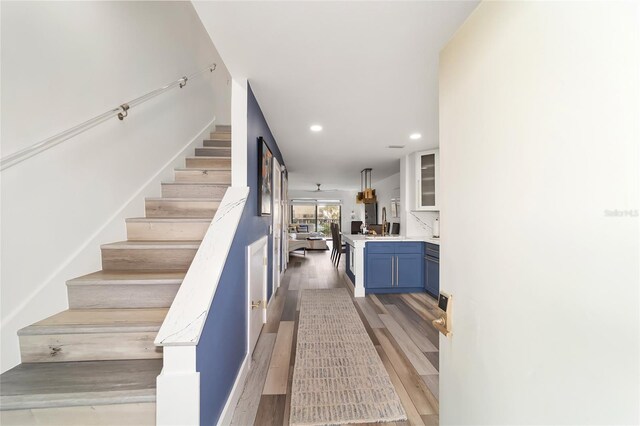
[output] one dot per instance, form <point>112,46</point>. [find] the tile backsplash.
<point>419,223</point>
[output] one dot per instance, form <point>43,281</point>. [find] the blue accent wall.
<point>257,126</point>
<point>223,343</point>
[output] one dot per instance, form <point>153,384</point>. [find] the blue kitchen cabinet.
<point>394,267</point>
<point>432,269</point>
<point>380,268</point>
<point>409,268</point>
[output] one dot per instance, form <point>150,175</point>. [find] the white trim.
<point>236,392</point>
<point>178,388</point>
<point>358,252</point>
<point>261,244</point>
<point>239,108</point>
<point>276,251</point>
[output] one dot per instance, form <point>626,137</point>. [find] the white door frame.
<point>285,222</point>
<point>277,224</point>
<point>257,246</point>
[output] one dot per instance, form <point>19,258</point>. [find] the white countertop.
<point>361,239</point>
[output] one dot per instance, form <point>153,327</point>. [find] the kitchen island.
<point>390,264</point>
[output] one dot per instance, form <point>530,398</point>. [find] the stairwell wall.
<point>63,63</point>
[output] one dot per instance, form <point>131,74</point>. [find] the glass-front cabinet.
<point>427,176</point>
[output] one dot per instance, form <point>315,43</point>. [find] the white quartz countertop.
<point>354,239</point>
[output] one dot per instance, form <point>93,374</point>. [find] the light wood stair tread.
<point>196,184</point>
<point>189,199</point>
<point>207,157</point>
<point>203,169</point>
<point>150,245</point>
<point>98,320</point>
<point>63,384</point>
<point>129,277</point>
<point>169,219</point>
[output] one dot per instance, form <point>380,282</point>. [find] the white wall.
<point>539,107</point>
<point>63,63</point>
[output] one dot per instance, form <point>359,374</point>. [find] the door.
<point>277,224</point>
<point>257,289</point>
<point>544,277</point>
<point>284,213</point>
<point>409,270</point>
<point>380,270</point>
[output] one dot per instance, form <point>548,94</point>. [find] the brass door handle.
<point>441,325</point>
<point>258,304</point>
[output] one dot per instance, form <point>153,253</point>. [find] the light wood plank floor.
<point>399,327</point>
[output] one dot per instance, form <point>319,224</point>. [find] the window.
<point>317,215</point>
<point>302,214</point>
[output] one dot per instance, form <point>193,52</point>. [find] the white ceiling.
<point>366,71</point>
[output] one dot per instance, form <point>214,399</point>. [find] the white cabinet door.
<point>427,180</point>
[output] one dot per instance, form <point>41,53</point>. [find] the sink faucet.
<point>384,221</point>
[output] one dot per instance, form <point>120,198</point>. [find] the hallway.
<point>399,326</point>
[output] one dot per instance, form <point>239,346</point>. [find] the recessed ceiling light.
<point>316,128</point>
<point>415,136</point>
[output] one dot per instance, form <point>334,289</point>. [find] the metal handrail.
<point>121,112</point>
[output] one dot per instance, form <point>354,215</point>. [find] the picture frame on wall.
<point>265,184</point>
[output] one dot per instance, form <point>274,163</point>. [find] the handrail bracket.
<point>124,113</point>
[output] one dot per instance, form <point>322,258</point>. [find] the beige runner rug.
<point>338,377</point>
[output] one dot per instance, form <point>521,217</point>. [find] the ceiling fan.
<point>320,190</point>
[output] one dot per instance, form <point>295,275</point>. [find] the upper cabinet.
<point>427,180</point>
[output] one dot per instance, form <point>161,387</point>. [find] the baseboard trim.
<point>229,407</point>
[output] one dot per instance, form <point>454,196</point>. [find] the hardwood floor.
<point>399,327</point>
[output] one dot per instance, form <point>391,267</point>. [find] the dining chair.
<point>339,244</point>
<point>334,249</point>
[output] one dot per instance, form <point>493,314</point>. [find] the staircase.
<point>96,362</point>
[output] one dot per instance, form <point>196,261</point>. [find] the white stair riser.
<point>166,231</point>
<point>88,347</point>
<point>125,259</point>
<point>182,208</point>
<point>121,296</point>
<point>140,414</point>
<point>208,163</point>
<point>209,176</point>
<point>195,190</point>
<point>213,152</point>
